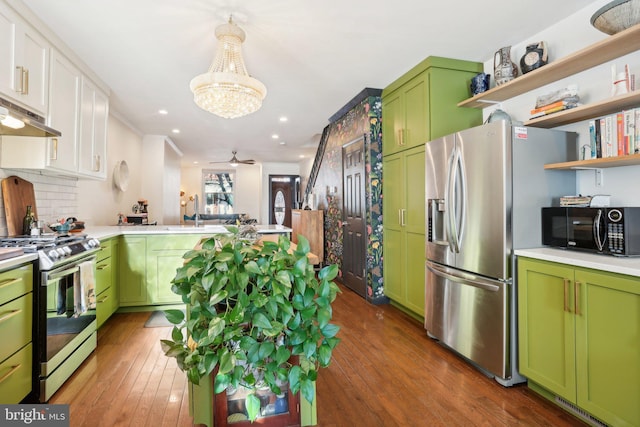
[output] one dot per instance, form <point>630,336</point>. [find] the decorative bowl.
<point>616,16</point>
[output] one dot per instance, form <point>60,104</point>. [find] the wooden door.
<point>353,217</point>
<point>283,196</point>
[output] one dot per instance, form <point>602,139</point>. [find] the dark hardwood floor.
<point>385,372</point>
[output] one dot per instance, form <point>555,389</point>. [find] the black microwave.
<point>608,230</point>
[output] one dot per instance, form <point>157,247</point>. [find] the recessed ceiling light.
<point>283,119</point>
<point>275,136</point>
<point>163,112</point>
<point>176,131</point>
<point>282,143</point>
<point>195,162</point>
<point>302,156</point>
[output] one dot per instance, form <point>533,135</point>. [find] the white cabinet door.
<point>24,54</point>
<point>94,113</point>
<point>64,113</point>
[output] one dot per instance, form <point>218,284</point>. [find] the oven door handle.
<point>67,272</point>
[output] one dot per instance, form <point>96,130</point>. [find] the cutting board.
<point>17,193</point>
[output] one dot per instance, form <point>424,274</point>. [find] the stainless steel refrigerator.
<point>484,190</point>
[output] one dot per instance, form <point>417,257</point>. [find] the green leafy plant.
<point>251,308</point>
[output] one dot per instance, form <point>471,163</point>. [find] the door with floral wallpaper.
<point>353,217</point>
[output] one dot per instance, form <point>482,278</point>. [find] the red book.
<point>620,133</point>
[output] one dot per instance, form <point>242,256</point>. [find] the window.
<point>218,192</point>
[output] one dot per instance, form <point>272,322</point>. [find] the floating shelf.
<point>612,47</point>
<point>584,112</point>
<point>609,162</point>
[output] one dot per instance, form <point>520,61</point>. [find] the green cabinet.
<point>106,280</point>
<point>16,323</point>
<point>164,256</point>
<point>416,108</point>
<point>148,263</point>
<point>422,104</point>
<point>404,229</point>
<point>579,337</point>
<point>132,284</point>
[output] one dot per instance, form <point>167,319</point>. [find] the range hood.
<point>17,121</point>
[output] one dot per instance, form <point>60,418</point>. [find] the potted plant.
<point>250,309</point>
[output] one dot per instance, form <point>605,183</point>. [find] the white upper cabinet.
<point>94,113</point>
<point>24,59</point>
<point>64,113</point>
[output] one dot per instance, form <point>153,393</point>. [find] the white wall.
<point>247,187</point>
<point>565,38</point>
<point>100,202</point>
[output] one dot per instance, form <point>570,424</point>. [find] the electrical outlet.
<point>599,178</point>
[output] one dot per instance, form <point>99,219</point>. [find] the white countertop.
<point>104,232</point>
<point>613,264</point>
<point>8,263</point>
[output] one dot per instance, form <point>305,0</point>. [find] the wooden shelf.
<point>612,47</point>
<point>596,109</point>
<point>609,162</point>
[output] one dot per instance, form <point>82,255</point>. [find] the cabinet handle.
<point>401,217</point>
<point>404,211</point>
<point>25,82</point>
<point>54,149</point>
<point>576,297</point>
<point>104,298</point>
<point>401,137</point>
<point>9,315</point>
<point>11,372</point>
<point>23,74</point>
<point>566,296</point>
<point>9,282</point>
<point>96,163</point>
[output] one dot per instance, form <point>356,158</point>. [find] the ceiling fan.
<point>235,162</point>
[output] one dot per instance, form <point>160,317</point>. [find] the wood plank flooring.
<point>385,372</point>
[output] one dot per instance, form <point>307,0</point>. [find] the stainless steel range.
<point>66,331</point>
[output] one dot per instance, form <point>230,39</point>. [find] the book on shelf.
<point>615,135</point>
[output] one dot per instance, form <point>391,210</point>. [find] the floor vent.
<point>580,413</point>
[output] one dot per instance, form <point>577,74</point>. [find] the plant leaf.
<point>227,362</point>
<point>329,272</point>
<point>323,315</point>
<point>261,321</point>
<point>282,355</point>
<point>221,382</point>
<point>329,330</point>
<point>266,349</point>
<point>174,316</point>
<point>294,378</point>
<point>252,404</point>
<point>252,267</point>
<point>307,389</point>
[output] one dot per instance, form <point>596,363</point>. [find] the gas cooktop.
<point>53,249</point>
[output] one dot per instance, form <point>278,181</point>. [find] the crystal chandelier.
<point>226,89</point>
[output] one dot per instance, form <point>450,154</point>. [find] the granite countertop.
<point>613,264</point>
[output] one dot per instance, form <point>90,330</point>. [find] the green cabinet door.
<point>392,122</point>
<point>608,346</point>
<point>546,326</point>
<point>393,190</point>
<point>164,256</point>
<point>404,229</point>
<point>579,337</point>
<point>132,285</point>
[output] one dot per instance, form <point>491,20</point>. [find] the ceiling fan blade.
<point>247,162</point>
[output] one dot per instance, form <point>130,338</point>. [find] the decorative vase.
<point>504,69</point>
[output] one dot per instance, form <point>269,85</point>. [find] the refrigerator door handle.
<point>457,229</point>
<point>448,199</point>
<point>467,279</point>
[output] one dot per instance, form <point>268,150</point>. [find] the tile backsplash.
<point>56,197</point>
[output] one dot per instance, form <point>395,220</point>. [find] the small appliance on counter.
<point>140,213</point>
<point>606,230</point>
